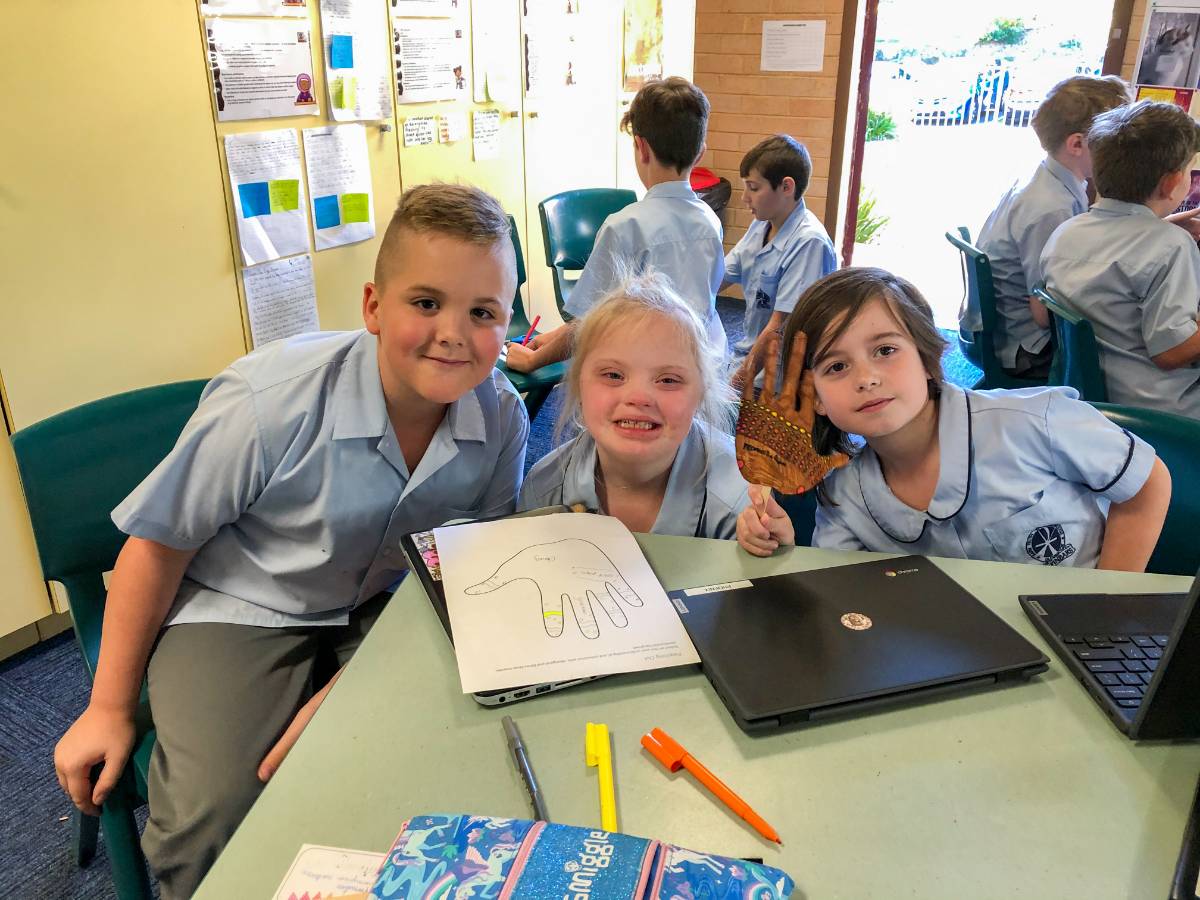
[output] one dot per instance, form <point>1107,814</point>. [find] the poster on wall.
<point>552,48</point>
<point>261,69</point>
<point>268,194</point>
<point>793,46</point>
<point>425,51</point>
<point>281,299</point>
<point>429,8</point>
<point>339,182</point>
<point>642,59</point>
<point>253,8</point>
<point>358,76</point>
<point>1168,56</point>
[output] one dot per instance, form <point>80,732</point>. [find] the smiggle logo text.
<point>596,855</point>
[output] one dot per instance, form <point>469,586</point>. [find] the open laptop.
<point>1138,655</point>
<point>805,646</point>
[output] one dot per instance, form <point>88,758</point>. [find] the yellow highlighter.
<point>598,752</point>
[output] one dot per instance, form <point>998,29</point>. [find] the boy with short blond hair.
<point>265,544</point>
<point>1135,276</point>
<point>1017,230</point>
<point>670,229</point>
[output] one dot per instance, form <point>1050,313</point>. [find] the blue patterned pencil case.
<point>437,857</point>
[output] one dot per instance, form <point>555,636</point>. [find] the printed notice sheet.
<point>426,7</point>
<point>793,46</point>
<point>329,872</point>
<point>551,598</point>
<point>358,75</point>
<point>339,180</point>
<point>281,298</point>
<point>486,133</point>
<point>261,68</point>
<point>253,8</point>
<point>268,196</point>
<point>424,51</point>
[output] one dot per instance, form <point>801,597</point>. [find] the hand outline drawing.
<point>571,573</point>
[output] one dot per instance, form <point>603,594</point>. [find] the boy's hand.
<point>98,736</point>
<point>774,437</point>
<point>291,734</point>
<point>763,526</point>
<point>1188,220</point>
<point>521,357</point>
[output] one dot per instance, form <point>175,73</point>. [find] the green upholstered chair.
<point>570,221</point>
<point>537,385</point>
<point>980,346</point>
<point>1076,356</point>
<point>75,467</point>
<point>1175,439</point>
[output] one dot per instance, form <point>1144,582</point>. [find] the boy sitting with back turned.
<point>264,546</point>
<point>1135,276</point>
<point>670,229</point>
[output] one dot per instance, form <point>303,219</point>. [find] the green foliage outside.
<point>1070,44</point>
<point>868,225</point>
<point>880,126</point>
<point>1007,32</point>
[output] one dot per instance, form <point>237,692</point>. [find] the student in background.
<point>1013,476</point>
<point>1132,274</point>
<point>646,388</point>
<point>263,547</point>
<point>786,248</point>
<point>1015,233</point>
<point>670,229</point>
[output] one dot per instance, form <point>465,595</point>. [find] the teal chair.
<point>1076,356</point>
<point>75,467</point>
<point>570,221</point>
<point>1175,439</point>
<point>535,386</point>
<point>980,346</point>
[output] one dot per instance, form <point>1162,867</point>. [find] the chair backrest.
<point>519,324</point>
<point>571,219</point>
<point>981,294</point>
<point>1175,439</point>
<point>1076,358</point>
<point>75,467</point>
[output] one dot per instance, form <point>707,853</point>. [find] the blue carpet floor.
<point>43,689</point>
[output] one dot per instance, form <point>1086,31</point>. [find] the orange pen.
<point>671,754</point>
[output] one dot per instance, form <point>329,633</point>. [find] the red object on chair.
<point>702,178</point>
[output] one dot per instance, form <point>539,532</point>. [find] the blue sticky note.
<point>341,51</point>
<point>325,210</point>
<point>256,199</point>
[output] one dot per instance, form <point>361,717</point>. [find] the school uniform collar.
<point>671,190</point>
<point>790,225</point>
<point>1072,182</point>
<point>1121,208</point>
<point>901,522</point>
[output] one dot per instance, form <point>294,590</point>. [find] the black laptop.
<point>1138,655</point>
<point>805,646</point>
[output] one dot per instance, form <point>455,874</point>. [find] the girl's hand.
<point>763,526</point>
<point>774,436</point>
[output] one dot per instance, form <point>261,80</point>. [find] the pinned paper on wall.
<point>339,179</point>
<point>419,130</point>
<point>358,74</point>
<point>495,77</point>
<point>440,8</point>
<point>452,127</point>
<point>424,49</point>
<point>260,68</point>
<point>253,8</point>
<point>486,133</point>
<point>281,298</point>
<point>264,175</point>
<point>793,46</point>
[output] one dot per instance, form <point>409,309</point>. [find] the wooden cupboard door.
<point>25,596</point>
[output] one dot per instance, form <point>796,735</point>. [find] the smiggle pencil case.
<point>437,857</point>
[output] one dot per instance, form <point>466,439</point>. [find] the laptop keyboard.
<point>1123,664</point>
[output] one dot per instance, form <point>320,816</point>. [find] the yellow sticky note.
<point>285,195</point>
<point>346,92</point>
<point>354,208</point>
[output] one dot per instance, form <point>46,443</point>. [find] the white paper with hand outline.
<point>553,598</point>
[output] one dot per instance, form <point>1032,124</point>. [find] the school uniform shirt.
<point>705,491</point>
<point>774,273</point>
<point>1136,278</point>
<point>1023,476</point>
<point>290,483</point>
<point>1013,238</point>
<point>670,230</point>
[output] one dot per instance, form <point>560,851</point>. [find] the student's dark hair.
<point>457,210</point>
<point>1133,147</point>
<point>672,116</point>
<point>1073,103</point>
<point>778,157</point>
<point>828,308</point>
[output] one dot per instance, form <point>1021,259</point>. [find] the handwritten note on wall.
<point>339,179</point>
<point>281,298</point>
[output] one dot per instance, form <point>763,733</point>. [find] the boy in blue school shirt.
<point>1134,275</point>
<point>670,229</point>
<point>263,547</point>
<point>786,248</point>
<point>1015,233</point>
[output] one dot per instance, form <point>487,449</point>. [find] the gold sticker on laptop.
<point>856,621</point>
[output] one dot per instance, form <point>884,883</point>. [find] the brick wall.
<point>1137,20</point>
<point>749,105</point>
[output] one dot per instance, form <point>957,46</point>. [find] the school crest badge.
<point>1048,545</point>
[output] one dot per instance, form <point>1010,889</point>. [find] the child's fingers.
<point>750,369</point>
<point>795,368</point>
<point>772,507</point>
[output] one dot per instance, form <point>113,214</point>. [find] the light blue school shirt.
<point>775,275</point>
<point>1023,474</point>
<point>290,481</point>
<point>705,491</point>
<point>1136,277</point>
<point>670,230</point>
<point>1013,237</point>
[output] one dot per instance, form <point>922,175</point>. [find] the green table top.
<point>1025,791</point>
